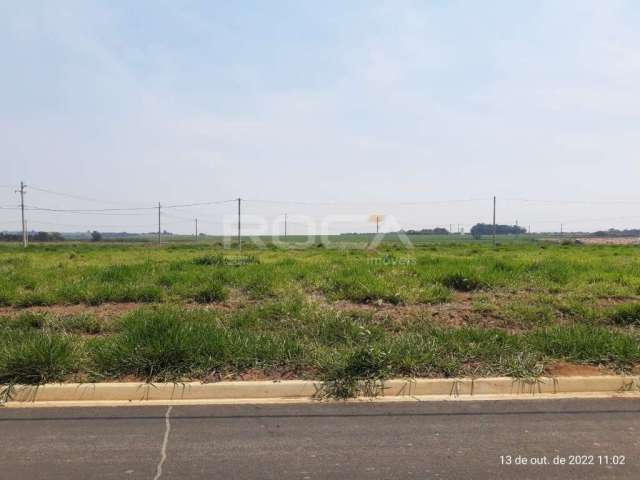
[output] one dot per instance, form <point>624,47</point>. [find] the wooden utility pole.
<point>159,224</point>
<point>239,224</point>
<point>494,221</point>
<point>24,225</point>
<point>377,224</point>
<point>196,229</point>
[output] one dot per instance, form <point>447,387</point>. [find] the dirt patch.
<point>477,309</point>
<point>609,240</point>
<point>112,310</point>
<point>105,311</point>
<point>457,313</point>
<point>564,369</point>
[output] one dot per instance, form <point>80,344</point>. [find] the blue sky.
<point>368,101</point>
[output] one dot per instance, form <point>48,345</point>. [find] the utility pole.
<point>239,225</point>
<point>561,229</point>
<point>494,221</point>
<point>159,225</point>
<point>24,225</point>
<point>196,229</point>
<point>285,225</point>
<point>377,224</point>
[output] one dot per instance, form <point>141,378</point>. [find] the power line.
<point>76,197</point>
<point>575,202</point>
<point>25,237</point>
<point>170,215</point>
<point>199,204</point>
<point>129,209</point>
<point>83,212</point>
<point>230,222</point>
<point>90,199</point>
<point>88,224</point>
<point>179,222</point>
<point>239,223</point>
<point>586,220</point>
<point>261,208</point>
<point>335,203</point>
<point>90,210</point>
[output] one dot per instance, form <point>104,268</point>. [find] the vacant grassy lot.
<point>183,311</point>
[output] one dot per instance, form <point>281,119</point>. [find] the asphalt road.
<point>350,441</point>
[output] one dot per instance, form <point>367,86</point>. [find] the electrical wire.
<point>198,204</point>
<point>141,211</point>
<point>574,202</point>
<point>83,225</point>
<point>171,215</point>
<point>334,203</point>
<point>73,196</point>
<point>88,210</point>
<point>586,220</point>
<point>265,201</point>
<point>90,199</point>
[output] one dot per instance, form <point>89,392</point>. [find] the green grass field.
<point>96,312</point>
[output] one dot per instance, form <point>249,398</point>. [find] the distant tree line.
<point>614,232</point>
<point>94,236</point>
<point>33,236</point>
<point>480,229</point>
<point>427,231</point>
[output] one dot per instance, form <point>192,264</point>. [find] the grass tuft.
<point>626,314</point>
<point>358,373</point>
<point>216,260</point>
<point>462,282</point>
<point>157,344</point>
<point>214,292</point>
<point>29,357</point>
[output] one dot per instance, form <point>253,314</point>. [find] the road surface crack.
<point>165,441</point>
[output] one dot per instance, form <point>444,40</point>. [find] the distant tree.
<point>427,231</point>
<point>10,237</point>
<point>614,232</point>
<point>480,229</point>
<point>96,236</point>
<point>45,236</point>
<point>39,236</point>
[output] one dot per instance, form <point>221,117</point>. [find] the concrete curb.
<point>301,390</point>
